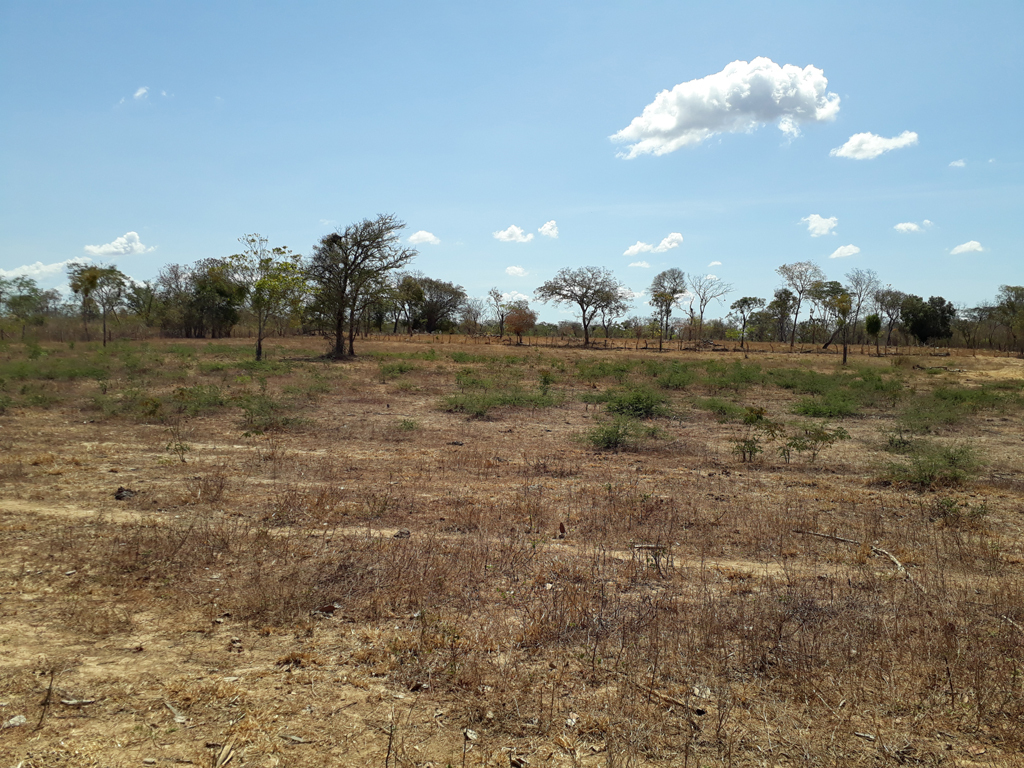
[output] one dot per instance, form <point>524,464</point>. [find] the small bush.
<point>640,403</point>
<point>723,409</point>
<point>202,398</point>
<point>932,467</point>
<point>613,434</point>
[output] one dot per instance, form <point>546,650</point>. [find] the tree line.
<point>356,280</point>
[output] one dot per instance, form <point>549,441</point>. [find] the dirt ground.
<point>385,582</point>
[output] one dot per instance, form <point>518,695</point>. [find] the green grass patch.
<point>723,409</point>
<point>479,404</point>
<point>930,466</point>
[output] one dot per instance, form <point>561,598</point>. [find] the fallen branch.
<point>900,568</point>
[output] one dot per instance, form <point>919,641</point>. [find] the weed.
<point>813,439</point>
<point>391,370</point>
<point>198,399</point>
<point>613,434</point>
<point>408,425</point>
<point>637,403</point>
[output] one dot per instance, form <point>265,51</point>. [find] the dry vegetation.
<point>482,555</point>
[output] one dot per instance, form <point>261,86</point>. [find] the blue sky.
<point>142,134</point>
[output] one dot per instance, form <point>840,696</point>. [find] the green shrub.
<point>201,398</point>
<point>613,434</point>
<point>834,405</point>
<point>639,403</point>
<point>723,409</point>
<point>931,466</point>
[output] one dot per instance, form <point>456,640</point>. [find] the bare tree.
<point>800,277</point>
<point>707,289</point>
<point>589,288</point>
<point>861,284</point>
<point>348,265</point>
<point>501,308</point>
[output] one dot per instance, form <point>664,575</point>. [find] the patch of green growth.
<point>618,433</point>
<point>946,406</point>
<point>408,425</point>
<point>35,395</point>
<point>676,376</point>
<point>832,405</point>
<point>594,370</point>
<point>479,404</point>
<point>265,367</point>
<point>201,398</point>
<point>635,402</point>
<point>466,357</point>
<point>391,370</point>
<point>758,431</point>
<point>956,514</point>
<point>812,439</point>
<point>262,412</point>
<point>55,368</point>
<point>468,378</point>
<point>931,466</point>
<point>735,376</point>
<point>723,409</point>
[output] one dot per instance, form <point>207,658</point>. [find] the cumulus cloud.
<point>715,264</point>
<point>968,247</point>
<point>126,245</point>
<point>511,296</point>
<point>740,98</point>
<point>711,277</point>
<point>516,271</point>
<point>867,146</point>
<point>513,234</point>
<point>40,271</point>
<point>926,223</point>
<point>423,237</point>
<point>958,163</point>
<point>907,226</point>
<point>819,225</point>
<point>141,93</point>
<point>673,240</point>
<point>641,264</point>
<point>550,229</point>
<point>844,250</point>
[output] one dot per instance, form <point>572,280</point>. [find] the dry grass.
<point>342,572</point>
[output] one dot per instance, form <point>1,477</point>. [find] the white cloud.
<point>907,226</point>
<point>968,247</point>
<point>673,240</point>
<point>516,271</point>
<point>550,229</point>
<point>926,223</point>
<point>141,93</point>
<point>715,264</point>
<point>513,234</point>
<point>740,98</point>
<point>958,163</point>
<point>40,271</point>
<point>712,277</point>
<point>818,225</point>
<point>423,237</point>
<point>867,146</point>
<point>514,296</point>
<point>641,264</point>
<point>125,245</point>
<point>845,250</point>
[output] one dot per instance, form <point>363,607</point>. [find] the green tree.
<point>742,309</point>
<point>349,266</point>
<point>97,286</point>
<point>927,320</point>
<point>1010,313</point>
<point>800,277</point>
<point>873,328</point>
<point>27,303</point>
<point>588,288</point>
<point>273,280</point>
<point>520,319</point>
<point>667,289</point>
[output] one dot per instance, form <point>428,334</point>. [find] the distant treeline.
<point>357,281</point>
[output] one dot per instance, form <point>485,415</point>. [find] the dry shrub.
<point>208,488</point>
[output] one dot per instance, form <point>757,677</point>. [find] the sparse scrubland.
<point>491,555</point>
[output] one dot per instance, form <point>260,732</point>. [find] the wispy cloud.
<point>674,240</point>
<point>971,246</point>
<point>40,271</point>
<point>867,146</point>
<point>641,264</point>
<point>715,264</point>
<point>126,245</point>
<point>141,93</point>
<point>516,271</point>
<point>908,226</point>
<point>844,250</point>
<point>513,234</point>
<point>739,99</point>
<point>423,237</point>
<point>958,163</point>
<point>819,225</point>
<point>550,229</point>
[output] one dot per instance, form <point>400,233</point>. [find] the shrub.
<point>639,403</point>
<point>931,467</point>
<point>723,409</point>
<point>613,434</point>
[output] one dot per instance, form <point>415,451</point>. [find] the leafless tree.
<point>707,289</point>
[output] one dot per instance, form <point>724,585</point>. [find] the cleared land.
<point>447,554</point>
